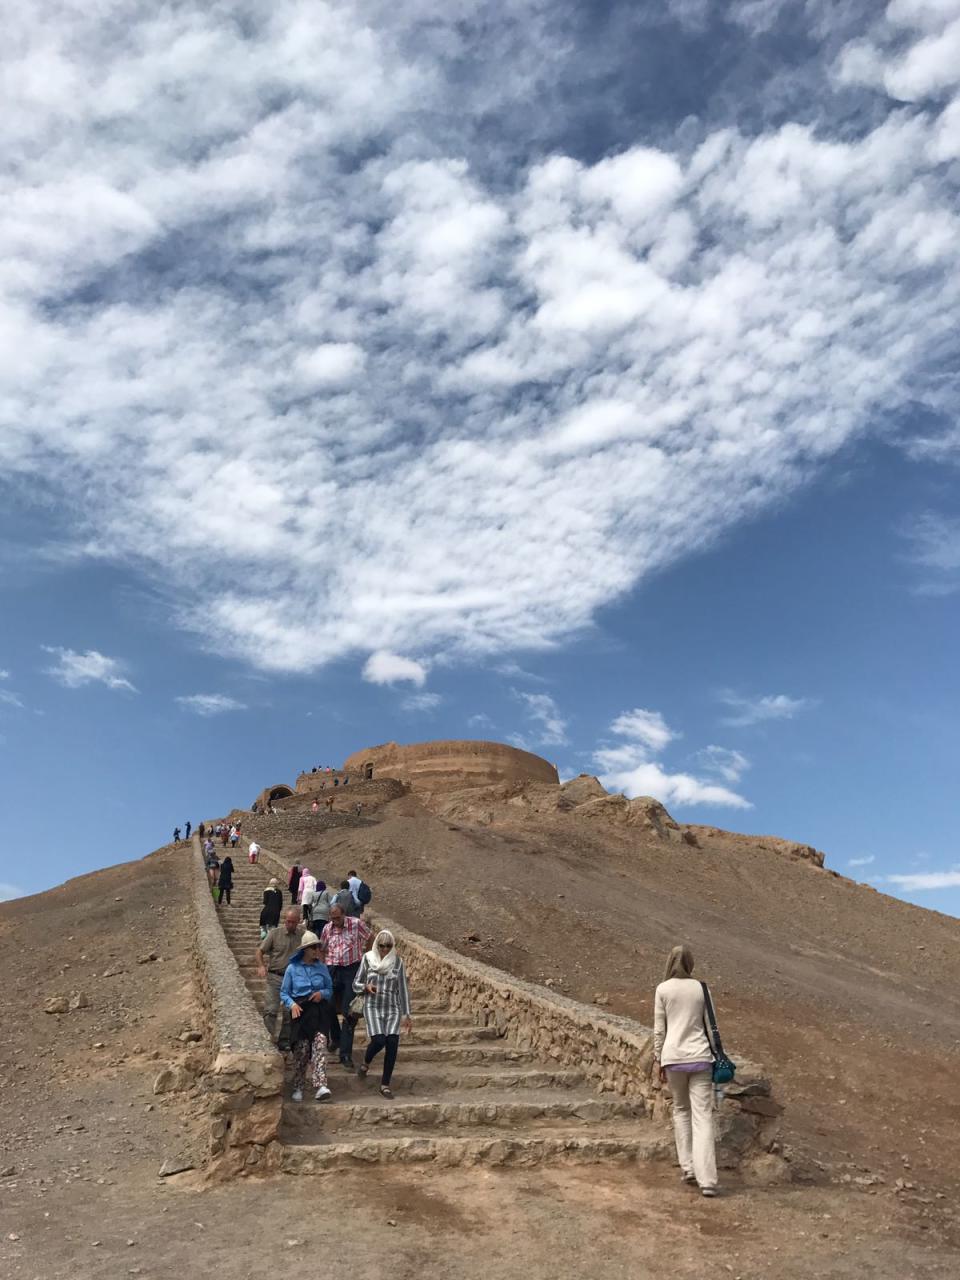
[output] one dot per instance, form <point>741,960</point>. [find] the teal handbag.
<point>723,1068</point>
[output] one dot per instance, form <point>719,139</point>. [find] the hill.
<point>846,996</point>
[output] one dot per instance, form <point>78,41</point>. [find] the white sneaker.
<point>322,1094</point>
<point>297,1095</point>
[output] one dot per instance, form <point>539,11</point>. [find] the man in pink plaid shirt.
<point>345,939</point>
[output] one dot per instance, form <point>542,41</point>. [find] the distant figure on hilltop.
<point>329,803</point>
<point>315,807</point>
<point>201,832</point>
<point>187,833</point>
<point>684,1056</point>
<point>176,835</point>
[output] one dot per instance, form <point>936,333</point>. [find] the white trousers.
<point>692,1093</point>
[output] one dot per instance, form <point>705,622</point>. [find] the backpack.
<point>364,893</point>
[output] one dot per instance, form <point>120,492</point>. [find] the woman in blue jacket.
<point>307,991</point>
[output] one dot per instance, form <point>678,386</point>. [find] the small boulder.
<point>175,1165</point>
<point>78,1000</point>
<point>148,958</point>
<point>56,1004</point>
<point>172,1080</point>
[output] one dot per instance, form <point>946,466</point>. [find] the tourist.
<point>186,834</point>
<point>211,862</point>
<point>224,835</point>
<point>329,803</point>
<point>321,906</point>
<point>346,901</point>
<point>234,837</point>
<point>306,893</point>
<point>272,957</point>
<point>226,879</point>
<point>386,1005</point>
<point>293,884</point>
<point>358,808</point>
<point>683,1056</point>
<point>344,939</point>
<point>315,807</point>
<point>272,907</point>
<point>305,991</point>
<point>201,832</point>
<point>253,853</point>
<point>176,835</point>
<point>354,882</point>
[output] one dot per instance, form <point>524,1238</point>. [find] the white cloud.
<point>330,364</point>
<point>9,891</point>
<point>756,710</point>
<point>421,702</point>
<point>627,767</point>
<point>920,881</point>
<point>551,728</point>
<point>650,779</point>
<point>862,862</point>
<point>935,547</point>
<point>209,704</point>
<point>390,668</point>
<point>723,762</point>
<point>74,669</point>
<point>480,721</point>
<point>448,398</point>
<point>9,699</point>
<point>4,675</point>
<point>648,727</point>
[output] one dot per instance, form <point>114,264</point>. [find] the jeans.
<point>342,1026</point>
<point>389,1044</point>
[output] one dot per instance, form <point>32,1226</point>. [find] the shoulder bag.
<point>723,1069</point>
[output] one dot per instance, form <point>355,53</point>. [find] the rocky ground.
<point>846,996</point>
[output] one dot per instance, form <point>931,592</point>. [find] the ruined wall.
<point>431,766</point>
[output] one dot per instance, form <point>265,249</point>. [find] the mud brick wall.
<point>244,1080</point>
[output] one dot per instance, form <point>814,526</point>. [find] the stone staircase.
<point>463,1094</point>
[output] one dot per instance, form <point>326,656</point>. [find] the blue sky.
<point>578,376</point>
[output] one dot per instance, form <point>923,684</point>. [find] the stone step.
<point>614,1144</point>
<point>427,1080</point>
<point>445,1110</point>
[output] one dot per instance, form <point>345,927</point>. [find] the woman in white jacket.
<point>684,1057</point>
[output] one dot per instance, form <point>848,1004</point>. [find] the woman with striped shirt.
<point>386,1004</point>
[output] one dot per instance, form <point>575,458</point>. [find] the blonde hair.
<point>679,963</point>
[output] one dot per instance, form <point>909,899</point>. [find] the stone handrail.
<point>615,1053</point>
<point>245,1080</point>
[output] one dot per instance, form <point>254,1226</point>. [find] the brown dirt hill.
<point>848,996</point>
<point>822,981</point>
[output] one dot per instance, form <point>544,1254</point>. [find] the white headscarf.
<point>376,963</point>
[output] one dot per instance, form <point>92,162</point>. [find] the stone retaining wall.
<point>245,1079</point>
<point>615,1053</point>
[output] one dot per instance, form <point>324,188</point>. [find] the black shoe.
<point>347,1064</point>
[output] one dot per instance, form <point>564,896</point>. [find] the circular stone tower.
<point>447,766</point>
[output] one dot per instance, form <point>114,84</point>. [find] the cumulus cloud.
<point>627,766</point>
<point>421,702</point>
<point>723,762</point>
<point>209,704</point>
<point>647,727</point>
<point>549,726</point>
<point>757,710</point>
<point>4,675</point>
<point>73,669</point>
<point>390,668</point>
<point>459,384</point>
<point>480,721</point>
<point>921,881</point>
<point>651,779</point>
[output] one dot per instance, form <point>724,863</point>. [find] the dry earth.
<point>848,997</point>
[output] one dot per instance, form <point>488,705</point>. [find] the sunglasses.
<point>386,946</point>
